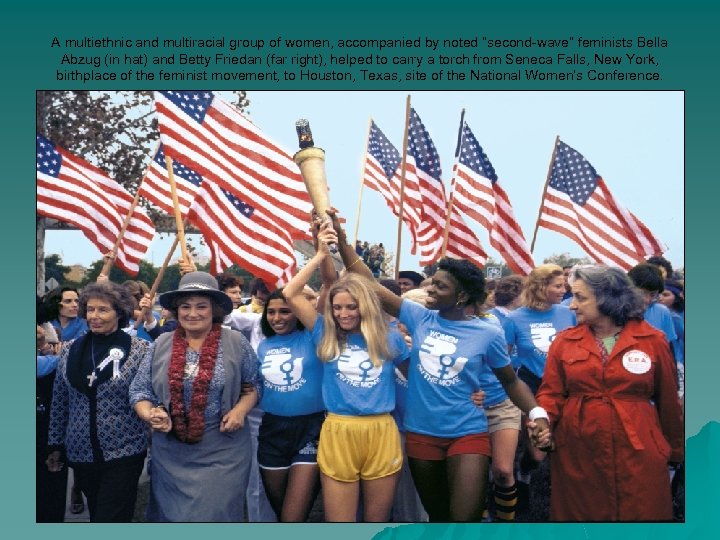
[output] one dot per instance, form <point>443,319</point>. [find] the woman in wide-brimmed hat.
<point>189,392</point>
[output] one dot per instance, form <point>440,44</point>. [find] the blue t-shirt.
<point>46,364</point>
<point>501,314</point>
<point>291,374</point>
<point>679,347</point>
<point>401,385</point>
<point>532,331</point>
<point>489,383</point>
<point>660,317</point>
<point>140,331</point>
<point>75,328</point>
<point>446,363</point>
<point>352,385</point>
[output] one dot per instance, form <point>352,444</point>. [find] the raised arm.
<point>328,274</point>
<point>390,302</point>
<point>301,307</point>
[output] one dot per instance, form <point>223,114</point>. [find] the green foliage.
<point>171,277</point>
<point>54,269</point>
<point>115,131</point>
<point>146,274</point>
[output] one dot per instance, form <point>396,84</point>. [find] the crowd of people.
<point>421,399</point>
<point>372,255</point>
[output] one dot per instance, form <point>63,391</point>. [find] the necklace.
<point>189,425</point>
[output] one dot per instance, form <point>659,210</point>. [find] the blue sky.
<point>635,140</point>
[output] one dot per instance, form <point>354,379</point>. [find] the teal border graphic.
<point>690,65</point>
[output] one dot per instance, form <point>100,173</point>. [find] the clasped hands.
<point>159,419</point>
<point>540,435</point>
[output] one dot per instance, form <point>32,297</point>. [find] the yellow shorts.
<point>359,447</point>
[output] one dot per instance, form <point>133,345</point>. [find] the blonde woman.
<point>532,327</point>
<point>359,449</point>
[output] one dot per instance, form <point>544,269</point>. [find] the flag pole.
<point>452,190</point>
<point>109,261</point>
<point>362,182</point>
<point>402,187</point>
<point>176,205</point>
<point>547,182</point>
<point>158,279</point>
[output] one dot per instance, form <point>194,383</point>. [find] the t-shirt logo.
<point>280,369</point>
<point>542,335</point>
<point>355,367</point>
<point>437,362</point>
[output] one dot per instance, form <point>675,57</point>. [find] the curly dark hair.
<point>391,285</point>
<point>227,280</point>
<point>264,324</point>
<point>137,289</point>
<point>468,277</point>
<point>112,293</point>
<point>659,260</point>
<point>258,285</point>
<point>647,277</point>
<point>508,289</point>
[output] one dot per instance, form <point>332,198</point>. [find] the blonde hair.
<point>372,324</point>
<point>535,294</point>
<point>419,296</point>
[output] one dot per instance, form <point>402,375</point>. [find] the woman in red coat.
<point>610,389</point>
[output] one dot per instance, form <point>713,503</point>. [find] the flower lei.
<point>189,428</point>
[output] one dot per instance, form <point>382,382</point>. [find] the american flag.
<point>580,206</point>
<point>241,233</point>
<point>156,189</point>
<point>72,190</point>
<point>156,185</point>
<point>382,173</point>
<point>203,132</point>
<point>219,260</point>
<point>478,194</point>
<point>423,170</point>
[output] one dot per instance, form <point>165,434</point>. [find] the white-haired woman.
<point>610,390</point>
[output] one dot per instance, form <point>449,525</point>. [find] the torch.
<point>311,161</point>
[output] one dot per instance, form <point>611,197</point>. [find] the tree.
<point>564,259</point>
<point>55,269</point>
<point>146,274</point>
<point>116,131</point>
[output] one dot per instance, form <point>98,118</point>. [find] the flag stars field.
<point>217,143</point>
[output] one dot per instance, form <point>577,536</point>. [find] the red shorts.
<point>431,448</point>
